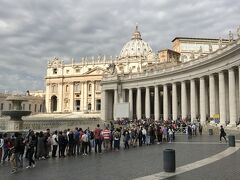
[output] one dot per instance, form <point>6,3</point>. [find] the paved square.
<point>135,163</point>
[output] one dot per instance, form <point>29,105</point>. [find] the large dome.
<point>136,47</point>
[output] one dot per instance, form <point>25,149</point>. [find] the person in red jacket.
<point>98,139</point>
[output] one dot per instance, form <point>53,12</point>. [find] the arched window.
<point>53,103</point>
<point>67,88</point>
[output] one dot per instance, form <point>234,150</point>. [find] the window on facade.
<point>89,106</point>
<point>30,107</point>
<point>67,71</point>
<point>40,109</point>
<point>35,108</point>
<point>23,107</point>
<point>98,104</point>
<point>77,70</point>
<point>67,88</point>
<point>9,106</point>
<point>55,71</point>
<point>77,105</point>
<point>1,106</point>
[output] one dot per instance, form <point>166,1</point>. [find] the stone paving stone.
<point>225,169</point>
<point>125,164</point>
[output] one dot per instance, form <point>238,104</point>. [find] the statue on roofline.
<point>238,31</point>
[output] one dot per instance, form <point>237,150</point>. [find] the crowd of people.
<point>71,142</point>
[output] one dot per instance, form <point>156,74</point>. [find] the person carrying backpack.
<point>116,137</point>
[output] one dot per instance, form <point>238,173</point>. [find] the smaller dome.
<point>136,47</point>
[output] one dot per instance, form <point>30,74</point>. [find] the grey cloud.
<point>33,31</point>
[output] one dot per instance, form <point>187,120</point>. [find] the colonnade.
<point>210,96</point>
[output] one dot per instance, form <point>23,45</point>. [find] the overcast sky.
<point>33,31</point>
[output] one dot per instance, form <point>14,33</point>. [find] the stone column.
<point>232,98</point>
<point>85,105</point>
<point>193,99</point>
<point>174,101</point>
<point>82,97</point>
<point>93,96</point>
<point>147,102</point>
<point>60,97</point>
<point>239,87</point>
<point>104,105</point>
<point>165,102</point>
<point>184,99</point>
<point>222,99</point>
<point>156,103</point>
<point>202,101</point>
<point>71,96</point>
<point>48,98</point>
<point>139,104</point>
<point>130,104</point>
<point>115,102</point>
<point>212,95</point>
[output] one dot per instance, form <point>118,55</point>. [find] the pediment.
<point>97,71</point>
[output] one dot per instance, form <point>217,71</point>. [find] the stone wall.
<point>59,124</point>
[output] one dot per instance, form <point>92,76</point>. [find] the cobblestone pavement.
<point>136,162</point>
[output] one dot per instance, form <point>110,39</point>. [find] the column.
<point>202,101</point>
<point>222,99</point>
<point>123,95</point>
<point>156,103</point>
<point>193,99</point>
<point>93,96</point>
<point>212,95</point>
<point>184,99</point>
<point>147,104</point>
<point>71,96</point>
<point>165,102</point>
<point>239,87</point>
<point>174,101</point>
<point>130,104</point>
<point>103,105</point>
<point>48,98</point>
<point>85,105</point>
<point>139,104</point>
<point>115,102</point>
<point>82,97</point>
<point>232,98</point>
<point>60,97</point>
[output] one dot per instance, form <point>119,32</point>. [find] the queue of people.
<point>72,142</point>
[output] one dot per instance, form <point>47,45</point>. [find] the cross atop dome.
<point>136,27</point>
<point>136,34</point>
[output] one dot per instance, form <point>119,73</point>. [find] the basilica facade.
<point>76,87</point>
<point>197,79</point>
